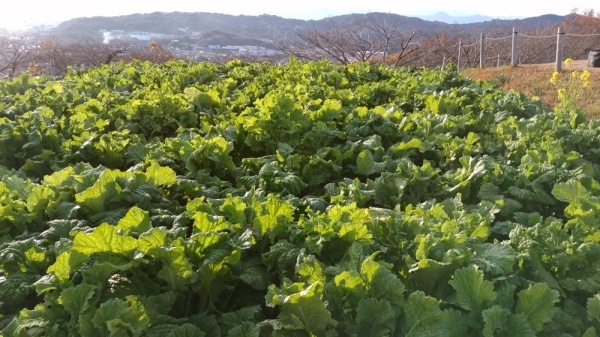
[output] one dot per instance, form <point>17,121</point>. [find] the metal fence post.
<point>513,61</point>
<point>559,49</point>
<point>498,62</point>
<point>481,51</point>
<point>459,55</point>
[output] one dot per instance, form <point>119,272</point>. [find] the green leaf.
<point>305,310</point>
<point>472,291</point>
<point>274,216</point>
<point>244,329</point>
<point>64,262</point>
<point>365,162</point>
<point>537,304</point>
<point>423,317</point>
<point>116,318</point>
<point>235,318</point>
<point>104,191</point>
<point>414,143</point>
<point>158,175</point>
<point>105,238</point>
<point>495,258</point>
<point>456,322</point>
<point>253,273</point>
<point>593,308</point>
<point>186,330</point>
<point>76,300</point>
<point>136,219</point>
<point>572,192</point>
<point>500,322</point>
<point>152,239</point>
<point>590,332</point>
<point>375,317</point>
<point>382,283</point>
<point>494,318</point>
<point>177,270</point>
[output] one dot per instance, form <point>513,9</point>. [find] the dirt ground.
<point>578,65</point>
<point>534,80</point>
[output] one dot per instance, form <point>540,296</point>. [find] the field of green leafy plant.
<point>305,199</point>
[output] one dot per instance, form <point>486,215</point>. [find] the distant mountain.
<point>268,30</point>
<point>443,17</point>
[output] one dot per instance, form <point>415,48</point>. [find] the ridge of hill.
<point>266,28</point>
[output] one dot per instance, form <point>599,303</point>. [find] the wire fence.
<point>494,51</point>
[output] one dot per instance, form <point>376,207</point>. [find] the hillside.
<point>266,27</point>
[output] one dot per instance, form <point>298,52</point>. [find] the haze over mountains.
<point>268,29</point>
<point>462,19</point>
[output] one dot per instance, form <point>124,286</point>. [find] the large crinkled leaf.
<point>152,306</point>
<point>273,216</point>
<point>105,190</point>
<point>537,304</point>
<point>244,329</point>
<point>232,319</point>
<point>186,330</point>
<point>375,317</point>
<point>116,318</point>
<point>423,317</point>
<point>154,238</point>
<point>160,175</point>
<point>105,238</point>
<point>136,219</point>
<point>500,322</point>
<point>495,258</point>
<point>177,270</point>
<point>456,322</point>
<point>301,309</point>
<point>572,192</point>
<point>472,291</point>
<point>381,282</point>
<point>593,308</point>
<point>494,318</point>
<point>204,223</point>
<point>76,300</point>
<point>65,262</point>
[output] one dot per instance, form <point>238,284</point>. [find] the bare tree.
<point>155,53</point>
<point>366,39</point>
<point>54,57</point>
<point>15,53</point>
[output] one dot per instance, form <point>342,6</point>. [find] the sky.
<point>16,12</point>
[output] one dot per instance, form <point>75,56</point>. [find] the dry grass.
<point>534,81</point>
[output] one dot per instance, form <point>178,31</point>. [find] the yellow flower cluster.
<point>554,77</point>
<point>568,61</point>
<point>569,88</point>
<point>585,77</point>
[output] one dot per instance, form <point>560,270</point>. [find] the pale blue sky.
<point>17,11</point>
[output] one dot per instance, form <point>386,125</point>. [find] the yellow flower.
<point>575,74</point>
<point>568,61</point>
<point>585,76</point>
<point>554,77</point>
<point>561,93</point>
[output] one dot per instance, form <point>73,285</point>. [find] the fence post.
<point>513,60</point>
<point>459,55</point>
<point>444,63</point>
<point>481,52</point>
<point>498,62</point>
<point>559,49</point>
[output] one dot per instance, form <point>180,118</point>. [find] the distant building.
<point>142,36</point>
